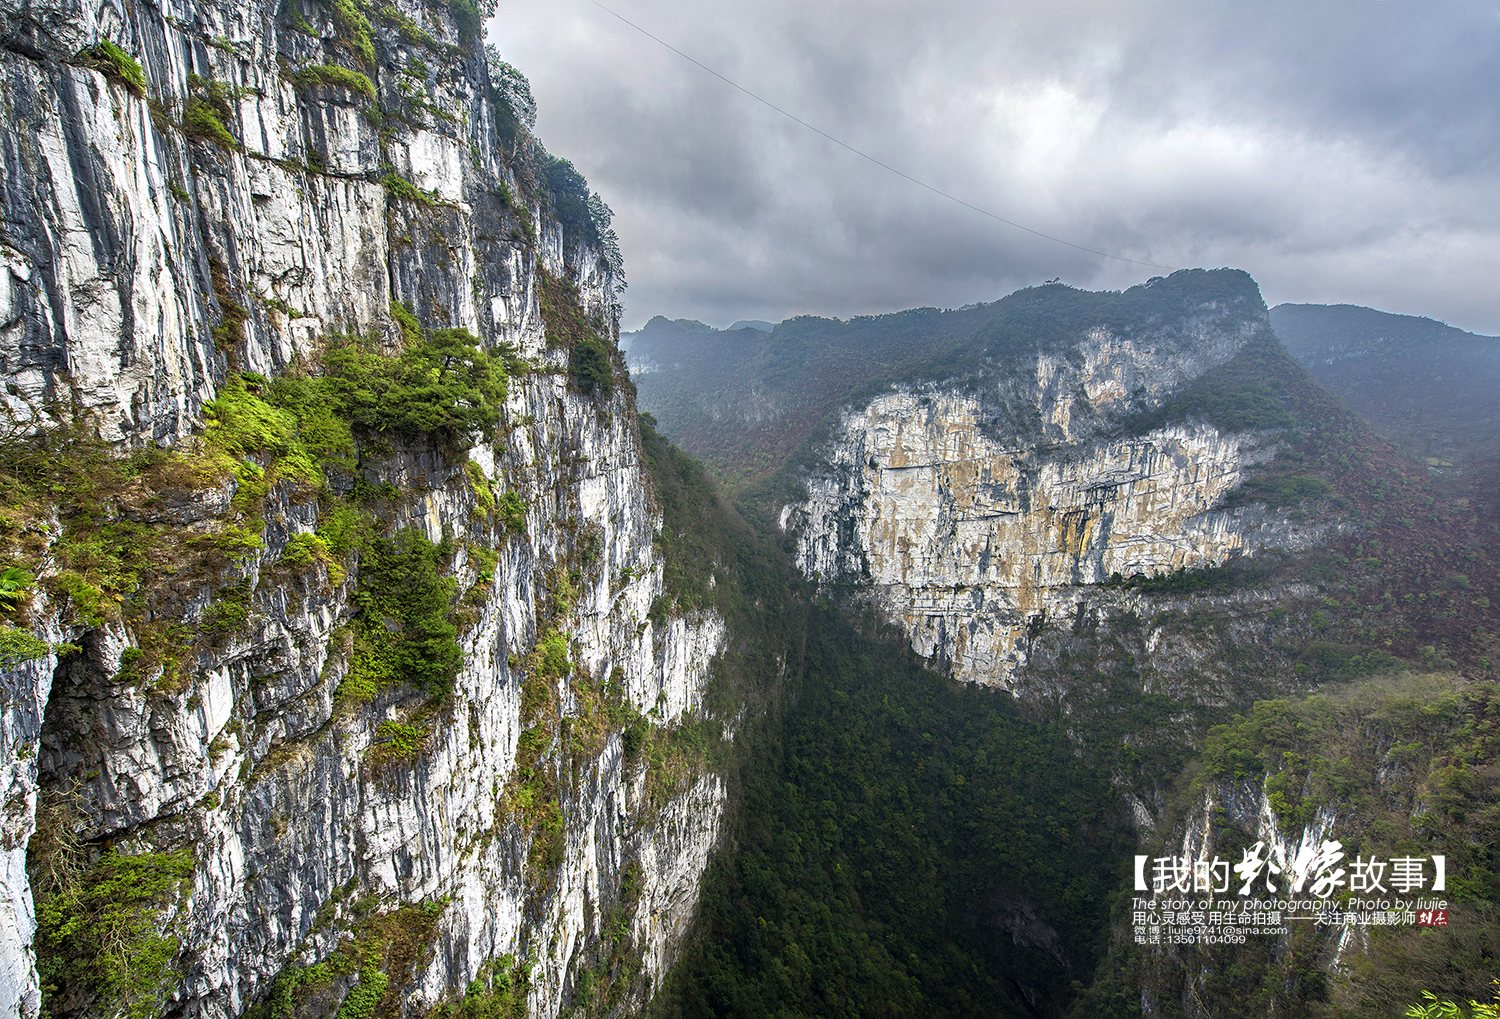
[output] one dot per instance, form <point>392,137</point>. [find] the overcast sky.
<point>1341,152</point>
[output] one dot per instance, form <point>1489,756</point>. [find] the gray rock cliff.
<point>972,509</point>
<point>222,218</point>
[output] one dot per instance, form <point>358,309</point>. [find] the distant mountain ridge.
<point>1427,387</point>
<point>744,400</point>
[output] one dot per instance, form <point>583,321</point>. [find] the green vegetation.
<point>1279,489</point>
<point>119,559</point>
<point>1242,395</point>
<point>332,74</point>
<point>411,32</point>
<point>554,649</point>
<point>116,65</point>
<point>612,964</point>
<point>402,633</point>
<point>230,332</point>
<point>590,355</point>
<point>1439,1009</point>
<point>399,187</point>
<point>439,386</point>
<point>208,115</point>
<point>699,536</point>
<point>108,562</point>
<point>305,551</point>
<point>444,387</point>
<point>1234,575</point>
<point>18,647</point>
<point>1425,386</point>
<point>467,20</point>
<point>569,194</point>
<point>567,325</point>
<point>888,833</point>
<point>515,106</point>
<point>15,588</point>
<point>99,923</point>
<point>1313,752</point>
<point>590,363</point>
<point>511,509</point>
<point>1397,759</point>
<point>298,21</point>
<point>406,320</point>
<point>202,119</point>
<point>397,743</point>
<point>499,991</point>
<point>299,438</point>
<point>384,952</point>
<point>354,30</point>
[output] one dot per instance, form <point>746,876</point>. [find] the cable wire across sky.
<point>865,155</point>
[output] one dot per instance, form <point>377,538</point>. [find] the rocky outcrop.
<point>972,510</point>
<point>149,258</point>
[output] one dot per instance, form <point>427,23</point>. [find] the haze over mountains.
<point>1431,389</point>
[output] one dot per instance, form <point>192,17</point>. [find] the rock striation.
<point>972,510</point>
<point>222,217</point>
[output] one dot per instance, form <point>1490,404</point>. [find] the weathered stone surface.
<point>971,510</point>
<point>125,242</point>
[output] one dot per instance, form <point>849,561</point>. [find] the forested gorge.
<point>907,845</point>
<point>369,650</point>
<point>903,845</point>
<point>896,848</point>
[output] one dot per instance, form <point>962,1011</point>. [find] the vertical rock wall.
<point>145,263</point>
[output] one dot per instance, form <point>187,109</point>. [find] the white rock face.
<point>966,529</point>
<point>130,243</point>
<point>24,691</point>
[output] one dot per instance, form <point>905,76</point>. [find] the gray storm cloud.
<point>1340,152</point>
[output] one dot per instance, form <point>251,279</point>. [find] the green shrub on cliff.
<point>589,362</point>
<point>116,65</point>
<point>100,929</point>
<point>17,647</point>
<point>398,186</point>
<point>499,991</point>
<point>443,386</point>
<point>467,19</point>
<point>201,120</point>
<point>332,74</point>
<point>354,29</point>
<point>402,633</point>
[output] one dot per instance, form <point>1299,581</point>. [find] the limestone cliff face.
<point>147,261</point>
<point>971,509</point>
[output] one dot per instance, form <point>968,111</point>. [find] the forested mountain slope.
<point>1432,390</point>
<point>1138,514</point>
